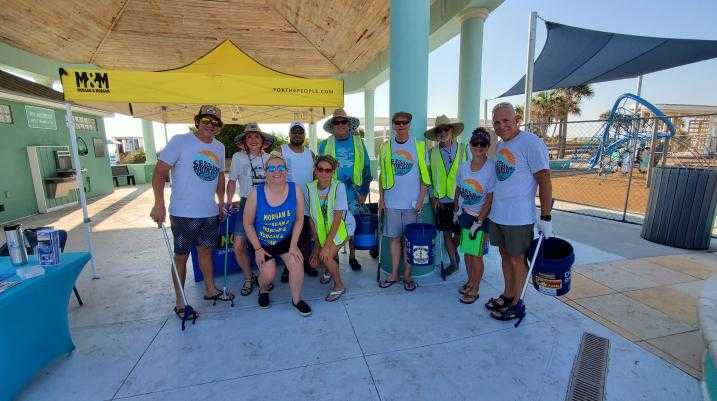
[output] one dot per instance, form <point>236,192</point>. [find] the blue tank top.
<point>274,223</point>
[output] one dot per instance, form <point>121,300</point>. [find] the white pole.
<point>81,187</point>
<point>639,93</point>
<point>164,120</point>
<point>486,121</point>
<point>529,67</point>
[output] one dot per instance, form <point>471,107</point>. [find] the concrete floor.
<point>373,344</point>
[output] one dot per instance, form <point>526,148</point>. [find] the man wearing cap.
<point>247,169</point>
<point>354,164</point>
<point>446,158</point>
<point>196,160</point>
<point>300,161</point>
<point>404,181</point>
<point>521,167</point>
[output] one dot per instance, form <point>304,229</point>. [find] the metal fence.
<point>614,182</point>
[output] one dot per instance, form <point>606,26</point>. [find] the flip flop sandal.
<point>248,287</point>
<point>385,283</point>
<point>409,285</point>
<point>462,289</point>
<point>469,298</point>
<point>496,304</point>
<point>335,295</point>
<point>325,278</point>
<point>215,296</point>
<point>509,313</point>
<point>180,313</point>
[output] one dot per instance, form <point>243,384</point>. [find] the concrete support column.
<point>409,61</point>
<point>313,140</point>
<point>369,121</point>
<point>149,147</point>
<point>470,66</point>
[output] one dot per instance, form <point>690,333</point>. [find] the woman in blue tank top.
<point>273,218</point>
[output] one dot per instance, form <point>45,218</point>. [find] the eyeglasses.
<point>479,143</point>
<point>400,122</point>
<point>324,170</point>
<point>297,132</point>
<point>340,122</point>
<point>272,168</point>
<point>210,121</point>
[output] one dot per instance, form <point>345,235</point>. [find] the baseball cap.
<point>210,110</point>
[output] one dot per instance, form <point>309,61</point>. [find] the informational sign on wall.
<point>40,117</point>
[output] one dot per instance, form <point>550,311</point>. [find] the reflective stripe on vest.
<point>386,177</point>
<point>444,186</point>
<point>330,149</point>
<point>321,220</point>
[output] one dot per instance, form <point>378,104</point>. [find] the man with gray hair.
<point>522,167</point>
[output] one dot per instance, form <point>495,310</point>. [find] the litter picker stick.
<point>379,234</point>
<point>226,296</point>
<point>188,310</point>
<point>520,305</point>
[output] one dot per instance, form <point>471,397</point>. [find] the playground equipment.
<point>632,124</point>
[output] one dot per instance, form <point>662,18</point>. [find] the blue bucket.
<point>365,234</point>
<point>551,273</point>
<point>420,239</point>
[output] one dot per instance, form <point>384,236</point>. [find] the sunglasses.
<point>272,168</point>
<point>400,122</point>
<point>441,130</point>
<point>324,170</point>
<point>479,143</point>
<point>210,121</point>
<point>340,122</point>
<point>297,132</point>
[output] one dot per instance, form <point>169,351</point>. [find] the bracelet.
<point>258,249</point>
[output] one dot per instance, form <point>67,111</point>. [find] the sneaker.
<point>263,299</point>
<point>355,265</point>
<point>285,276</point>
<point>303,308</point>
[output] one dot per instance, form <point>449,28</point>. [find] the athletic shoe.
<point>355,265</point>
<point>263,299</point>
<point>285,276</point>
<point>303,308</point>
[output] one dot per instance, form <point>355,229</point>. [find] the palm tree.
<point>567,101</point>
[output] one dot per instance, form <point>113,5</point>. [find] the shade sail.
<point>574,56</point>
<point>243,88</point>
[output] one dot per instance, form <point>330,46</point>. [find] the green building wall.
<point>17,193</point>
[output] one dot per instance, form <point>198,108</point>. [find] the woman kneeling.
<point>327,204</point>
<point>273,217</point>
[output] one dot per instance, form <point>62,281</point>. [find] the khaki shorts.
<point>515,239</point>
<point>396,221</point>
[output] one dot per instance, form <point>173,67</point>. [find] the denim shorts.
<point>239,224</point>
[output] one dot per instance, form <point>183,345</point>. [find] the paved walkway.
<point>373,344</point>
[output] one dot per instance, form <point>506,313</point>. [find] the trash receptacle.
<point>681,207</point>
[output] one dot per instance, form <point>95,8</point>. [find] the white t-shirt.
<point>341,204</point>
<point>406,180</point>
<point>301,165</point>
<point>248,171</point>
<point>195,168</point>
<point>514,193</point>
<point>473,186</point>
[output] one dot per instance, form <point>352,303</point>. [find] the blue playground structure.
<point>623,127</point>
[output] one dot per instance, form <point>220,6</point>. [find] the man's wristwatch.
<point>546,217</point>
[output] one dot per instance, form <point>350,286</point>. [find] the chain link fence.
<point>613,181</point>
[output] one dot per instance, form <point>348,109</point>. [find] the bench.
<point>122,171</point>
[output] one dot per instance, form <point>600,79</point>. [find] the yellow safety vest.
<point>321,220</point>
<point>444,184</point>
<point>330,149</point>
<point>386,177</point>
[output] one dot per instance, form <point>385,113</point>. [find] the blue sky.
<point>505,41</point>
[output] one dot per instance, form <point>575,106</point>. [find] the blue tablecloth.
<point>34,323</point>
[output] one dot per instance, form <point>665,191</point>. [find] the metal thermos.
<point>16,244</point>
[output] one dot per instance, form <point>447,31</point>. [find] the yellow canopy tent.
<point>244,89</point>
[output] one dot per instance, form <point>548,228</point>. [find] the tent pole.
<point>81,188</point>
<point>164,120</point>
<point>533,20</point>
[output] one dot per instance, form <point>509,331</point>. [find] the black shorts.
<point>444,218</point>
<point>191,231</point>
<point>278,249</point>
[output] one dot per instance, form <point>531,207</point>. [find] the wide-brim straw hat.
<point>442,121</point>
<point>254,127</point>
<point>341,113</point>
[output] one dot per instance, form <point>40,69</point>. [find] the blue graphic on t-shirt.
<point>206,165</point>
<point>402,162</point>
<point>471,191</point>
<point>504,164</point>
